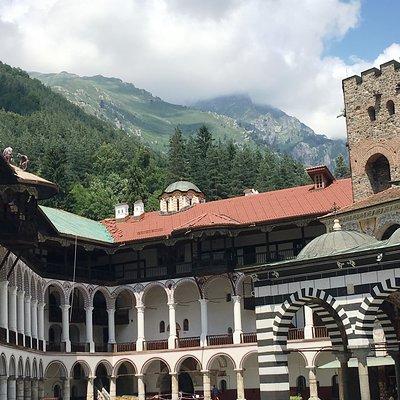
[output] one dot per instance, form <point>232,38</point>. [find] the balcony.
<point>218,340</point>
<point>156,344</point>
<point>296,334</point>
<point>189,342</point>
<point>53,347</point>
<point>249,337</point>
<point>78,347</point>
<point>130,346</point>
<point>320,332</point>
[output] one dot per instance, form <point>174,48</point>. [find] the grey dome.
<point>182,186</point>
<point>395,238</point>
<point>332,242</point>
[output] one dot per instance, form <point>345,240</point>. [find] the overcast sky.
<point>291,54</point>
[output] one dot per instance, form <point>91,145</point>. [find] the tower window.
<point>371,113</point>
<point>378,171</point>
<point>390,107</point>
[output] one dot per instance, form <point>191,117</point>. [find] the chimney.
<point>249,192</point>
<point>138,208</point>
<point>121,211</point>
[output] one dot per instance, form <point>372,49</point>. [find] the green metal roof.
<point>67,223</point>
<point>182,186</point>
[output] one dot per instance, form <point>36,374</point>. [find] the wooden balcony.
<point>78,347</point>
<point>218,340</point>
<point>189,342</point>
<point>130,346</point>
<point>53,347</point>
<point>156,344</point>
<point>320,332</point>
<point>249,337</point>
<point>296,334</point>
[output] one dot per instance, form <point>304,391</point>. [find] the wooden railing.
<point>217,340</point>
<point>78,347</point>
<point>156,344</point>
<point>189,342</point>
<point>249,337</point>
<point>320,332</point>
<point>296,334</point>
<point>130,346</point>
<point>53,346</point>
<point>101,347</point>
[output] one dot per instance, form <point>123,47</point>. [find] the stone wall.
<point>367,139</point>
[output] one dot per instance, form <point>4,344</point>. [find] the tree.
<point>177,165</point>
<point>341,167</point>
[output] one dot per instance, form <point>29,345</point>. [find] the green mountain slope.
<point>136,111</point>
<point>141,114</point>
<point>268,126</point>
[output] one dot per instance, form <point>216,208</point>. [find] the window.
<point>230,332</point>
<point>378,171</point>
<point>301,384</point>
<point>185,325</point>
<point>228,297</point>
<point>162,327</point>
<point>390,107</point>
<point>177,204</point>
<point>223,385</point>
<point>167,204</point>
<point>319,181</point>
<point>371,113</point>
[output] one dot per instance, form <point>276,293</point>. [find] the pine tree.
<point>341,168</point>
<point>177,165</point>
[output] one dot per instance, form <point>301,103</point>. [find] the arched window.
<point>301,384</point>
<point>371,113</point>
<point>185,325</point>
<point>378,171</point>
<point>335,387</point>
<point>162,326</point>
<point>390,107</point>
<point>389,231</point>
<point>223,385</point>
<point>230,332</point>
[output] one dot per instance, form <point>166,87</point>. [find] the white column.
<point>237,319</point>
<point>111,325</point>
<point>89,328</point>
<point>4,305</point>
<point>312,381</point>
<point>204,322</point>
<point>89,389</point>
<point>239,384</point>
<point>65,327</point>
<point>34,322</point>
<point>206,385</point>
<point>28,316</point>
<point>308,323</point>
<point>174,386</point>
<point>113,388</point>
<point>140,327</point>
<point>12,309</point>
<point>3,388</point>
<point>141,387</point>
<point>363,374</point>
<point>172,326</point>
<point>12,388</point>
<point>21,312</point>
<point>66,389</point>
<point>41,306</point>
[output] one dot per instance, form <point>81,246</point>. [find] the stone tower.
<point>372,104</point>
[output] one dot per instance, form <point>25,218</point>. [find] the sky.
<point>291,54</point>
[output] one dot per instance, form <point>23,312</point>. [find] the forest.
<point>97,166</point>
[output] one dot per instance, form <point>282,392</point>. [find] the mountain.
<point>136,111</point>
<point>141,114</point>
<point>269,126</point>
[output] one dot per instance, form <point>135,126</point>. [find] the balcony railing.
<point>156,344</point>
<point>78,347</point>
<point>320,332</point>
<point>218,340</point>
<point>101,347</point>
<point>249,337</point>
<point>296,334</point>
<point>53,346</point>
<point>189,342</point>
<point>131,346</point>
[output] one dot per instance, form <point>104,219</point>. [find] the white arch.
<point>85,366</point>
<point>178,364</point>
<point>3,365</point>
<point>215,357</point>
<point>246,356</point>
<point>62,368</point>
<point>123,361</point>
<point>107,365</point>
<point>149,362</point>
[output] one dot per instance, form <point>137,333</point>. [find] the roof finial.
<point>336,225</point>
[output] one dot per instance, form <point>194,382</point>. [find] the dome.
<point>395,238</point>
<point>182,186</point>
<point>332,242</point>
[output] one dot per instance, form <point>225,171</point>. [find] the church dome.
<point>395,238</point>
<point>182,186</point>
<point>332,242</point>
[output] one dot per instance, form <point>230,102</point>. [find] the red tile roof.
<point>268,207</point>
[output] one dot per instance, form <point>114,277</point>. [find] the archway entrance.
<point>102,380</point>
<point>223,376</point>
<point>190,378</point>
<point>378,171</point>
<point>157,378</point>
<point>79,382</point>
<point>126,384</point>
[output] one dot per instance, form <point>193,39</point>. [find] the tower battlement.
<point>372,105</point>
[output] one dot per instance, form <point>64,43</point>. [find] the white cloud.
<point>184,50</point>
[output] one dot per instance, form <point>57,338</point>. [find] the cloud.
<point>185,50</point>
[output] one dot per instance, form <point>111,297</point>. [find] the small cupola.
<point>121,211</point>
<point>321,176</point>
<point>138,208</point>
<point>180,195</point>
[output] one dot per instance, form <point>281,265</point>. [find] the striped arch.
<point>370,307</point>
<point>325,306</point>
<point>33,288</point>
<point>85,366</point>
<point>27,283</point>
<point>82,290</point>
<point>125,288</point>
<point>391,340</point>
<point>107,295</point>
<point>122,361</point>
<point>59,288</point>
<point>151,285</point>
